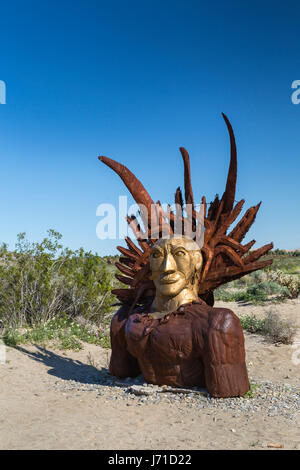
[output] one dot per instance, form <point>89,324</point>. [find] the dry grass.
<point>279,331</point>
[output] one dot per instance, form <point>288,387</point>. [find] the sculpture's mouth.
<point>169,279</point>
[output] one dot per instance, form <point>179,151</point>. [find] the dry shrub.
<point>278,330</point>
<point>286,280</point>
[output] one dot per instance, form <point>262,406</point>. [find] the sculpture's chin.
<point>170,290</point>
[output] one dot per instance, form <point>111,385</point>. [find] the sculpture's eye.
<point>180,253</point>
<point>156,254</point>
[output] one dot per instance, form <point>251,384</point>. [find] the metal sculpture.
<point>166,327</point>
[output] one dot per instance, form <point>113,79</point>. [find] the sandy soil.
<point>35,415</point>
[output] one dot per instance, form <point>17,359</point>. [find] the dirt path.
<point>39,411</point>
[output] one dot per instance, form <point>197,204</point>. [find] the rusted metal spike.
<point>225,240</point>
<point>227,219</point>
<point>236,259</point>
<point>213,208</point>
<point>219,277</point>
<point>127,261</point>
<point>135,227</point>
<point>249,245</point>
<point>124,280</point>
<point>189,198</point>
<point>135,187</point>
<point>254,255</point>
<point>239,232</point>
<point>229,194</point>
<point>129,272</point>
<point>178,197</point>
<point>127,253</point>
<point>132,246</point>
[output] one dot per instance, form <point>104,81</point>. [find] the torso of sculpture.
<point>167,328</point>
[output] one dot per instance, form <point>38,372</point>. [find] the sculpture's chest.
<point>180,337</point>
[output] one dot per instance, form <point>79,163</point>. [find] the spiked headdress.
<point>224,256</point>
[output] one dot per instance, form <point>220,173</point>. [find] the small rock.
<point>139,390</point>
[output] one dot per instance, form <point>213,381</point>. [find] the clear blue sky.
<point>135,80</point>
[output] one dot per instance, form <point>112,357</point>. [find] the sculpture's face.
<point>174,263</point>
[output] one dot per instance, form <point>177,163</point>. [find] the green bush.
<point>225,295</point>
<point>260,292</point>
<point>43,281</point>
<point>252,324</point>
<point>255,293</point>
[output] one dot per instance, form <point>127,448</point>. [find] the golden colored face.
<point>174,263</point>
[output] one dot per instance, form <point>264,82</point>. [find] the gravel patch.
<point>274,399</point>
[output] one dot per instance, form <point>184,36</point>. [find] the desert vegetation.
<point>49,293</point>
<point>277,282</point>
<point>271,326</point>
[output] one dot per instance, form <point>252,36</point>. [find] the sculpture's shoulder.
<point>197,309</point>
<point>121,313</point>
<point>217,318</point>
<point>224,320</point>
<point>119,320</point>
<point>124,319</point>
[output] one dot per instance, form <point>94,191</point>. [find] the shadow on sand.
<point>64,367</point>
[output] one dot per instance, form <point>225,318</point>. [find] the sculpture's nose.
<point>169,265</point>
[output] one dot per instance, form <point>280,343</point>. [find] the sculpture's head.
<point>176,262</point>
<point>175,265</point>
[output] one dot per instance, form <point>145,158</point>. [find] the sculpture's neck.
<point>162,305</point>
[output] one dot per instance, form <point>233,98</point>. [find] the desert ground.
<point>52,399</point>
